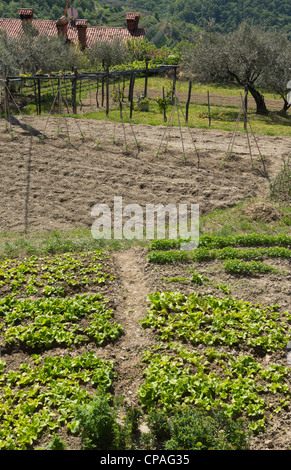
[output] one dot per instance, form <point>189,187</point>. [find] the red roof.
<point>13,27</point>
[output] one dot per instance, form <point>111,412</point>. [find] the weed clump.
<point>280,187</point>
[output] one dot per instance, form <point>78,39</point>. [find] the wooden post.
<point>188,100</point>
<point>59,97</point>
<point>107,90</point>
<point>7,101</point>
<point>174,80</point>
<point>146,78</point>
<point>165,116</point>
<point>102,91</point>
<point>74,92</point>
<point>246,108</point>
<point>35,97</point>
<point>123,87</point>
<point>131,95</point>
<point>208,101</point>
<point>39,96</point>
<point>130,87</point>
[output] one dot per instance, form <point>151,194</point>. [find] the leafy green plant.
<point>55,274</point>
<point>193,429</point>
<point>239,386</point>
<point>42,395</point>
<point>57,443</point>
<point>251,268</point>
<point>198,279</point>
<point>96,422</point>
<point>209,241</point>
<point>204,319</point>
<point>43,323</point>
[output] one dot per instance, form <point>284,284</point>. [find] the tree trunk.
<point>285,107</point>
<point>259,99</point>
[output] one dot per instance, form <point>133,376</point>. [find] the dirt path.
<point>131,309</point>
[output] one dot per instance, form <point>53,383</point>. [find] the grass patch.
<point>13,245</point>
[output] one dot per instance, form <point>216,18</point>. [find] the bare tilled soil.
<point>52,179</point>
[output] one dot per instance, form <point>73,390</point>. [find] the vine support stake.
<point>174,80</point>
<point>246,108</point>
<point>107,90</point>
<point>7,107</point>
<point>74,92</point>
<point>209,113</point>
<point>146,78</point>
<point>131,95</point>
<point>39,96</point>
<point>188,100</point>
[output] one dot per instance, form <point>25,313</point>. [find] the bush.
<point>192,429</point>
<point>99,429</point>
<point>97,423</point>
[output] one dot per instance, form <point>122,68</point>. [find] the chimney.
<point>62,26</point>
<point>132,20</point>
<point>26,14</point>
<point>81,26</point>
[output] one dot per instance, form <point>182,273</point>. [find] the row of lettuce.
<point>45,304</point>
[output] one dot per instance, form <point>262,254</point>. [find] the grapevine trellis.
<point>67,89</point>
<point>247,126</point>
<point>77,81</point>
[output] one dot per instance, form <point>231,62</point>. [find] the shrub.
<point>192,429</point>
<point>97,422</point>
<point>57,443</point>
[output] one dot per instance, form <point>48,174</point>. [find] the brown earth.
<point>52,184</point>
<point>51,180</point>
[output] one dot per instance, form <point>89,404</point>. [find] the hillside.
<point>167,22</point>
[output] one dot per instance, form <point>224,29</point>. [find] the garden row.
<point>212,349</point>
<point>207,367</point>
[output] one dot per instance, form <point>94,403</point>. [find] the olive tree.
<point>279,74</point>
<point>105,53</point>
<point>33,52</point>
<point>245,56</point>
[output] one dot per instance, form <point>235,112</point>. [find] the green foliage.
<point>229,253</point>
<point>198,279</point>
<point>239,386</point>
<point>104,53</point>
<point>36,53</point>
<point>44,323</point>
<point>192,429</point>
<point>251,268</point>
<point>208,241</point>
<point>247,56</point>
<point>96,422</point>
<point>53,276</point>
<point>42,395</point>
<point>204,319</point>
<point>180,16</point>
<point>57,443</point>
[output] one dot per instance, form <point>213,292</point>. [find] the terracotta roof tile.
<point>13,27</point>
